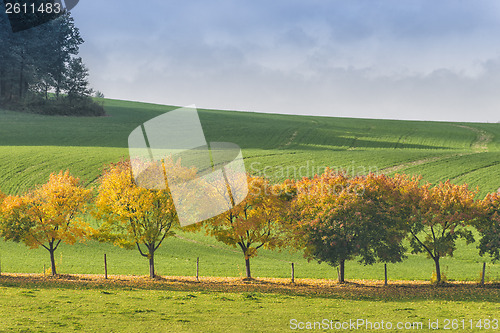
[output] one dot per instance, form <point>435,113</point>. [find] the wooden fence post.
<point>105,267</point>
<point>293,273</point>
<point>484,273</point>
<point>385,270</point>
<point>198,269</point>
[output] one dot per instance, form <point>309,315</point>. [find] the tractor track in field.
<point>482,141</point>
<point>480,145</point>
<point>422,161</point>
<point>398,167</point>
<point>294,135</point>
<point>476,169</point>
<point>290,141</point>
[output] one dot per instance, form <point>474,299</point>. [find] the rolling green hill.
<point>282,146</point>
<point>278,146</point>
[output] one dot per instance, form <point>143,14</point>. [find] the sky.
<point>391,59</point>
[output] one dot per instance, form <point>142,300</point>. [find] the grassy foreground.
<point>128,304</point>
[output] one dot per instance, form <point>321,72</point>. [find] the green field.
<point>279,146</point>
<point>282,146</point>
<point>169,306</point>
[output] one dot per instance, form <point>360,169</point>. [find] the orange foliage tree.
<point>134,216</point>
<point>339,218</point>
<point>2,196</point>
<point>48,215</point>
<point>256,222</point>
<point>437,216</point>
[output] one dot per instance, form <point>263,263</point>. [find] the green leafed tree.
<point>489,226</point>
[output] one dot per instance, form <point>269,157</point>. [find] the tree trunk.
<point>21,78</point>
<point>52,262</point>
<point>438,270</point>
<point>151,264</point>
<point>247,265</point>
<point>341,272</point>
<point>58,86</point>
<point>1,85</point>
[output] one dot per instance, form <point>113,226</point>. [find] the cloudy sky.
<point>413,59</point>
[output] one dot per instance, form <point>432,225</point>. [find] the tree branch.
<point>161,240</point>
<point>422,244</point>
<point>140,251</point>
<point>59,242</point>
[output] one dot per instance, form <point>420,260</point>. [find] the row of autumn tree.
<point>331,217</point>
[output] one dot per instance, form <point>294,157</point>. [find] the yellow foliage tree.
<point>134,216</point>
<point>256,222</point>
<point>48,215</point>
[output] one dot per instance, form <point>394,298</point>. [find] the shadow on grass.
<point>352,290</point>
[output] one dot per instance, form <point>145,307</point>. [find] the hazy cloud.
<point>385,59</point>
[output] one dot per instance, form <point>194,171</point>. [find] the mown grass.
<point>177,257</point>
<point>34,304</point>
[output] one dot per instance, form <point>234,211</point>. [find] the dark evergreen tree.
<point>41,62</point>
<point>76,84</point>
